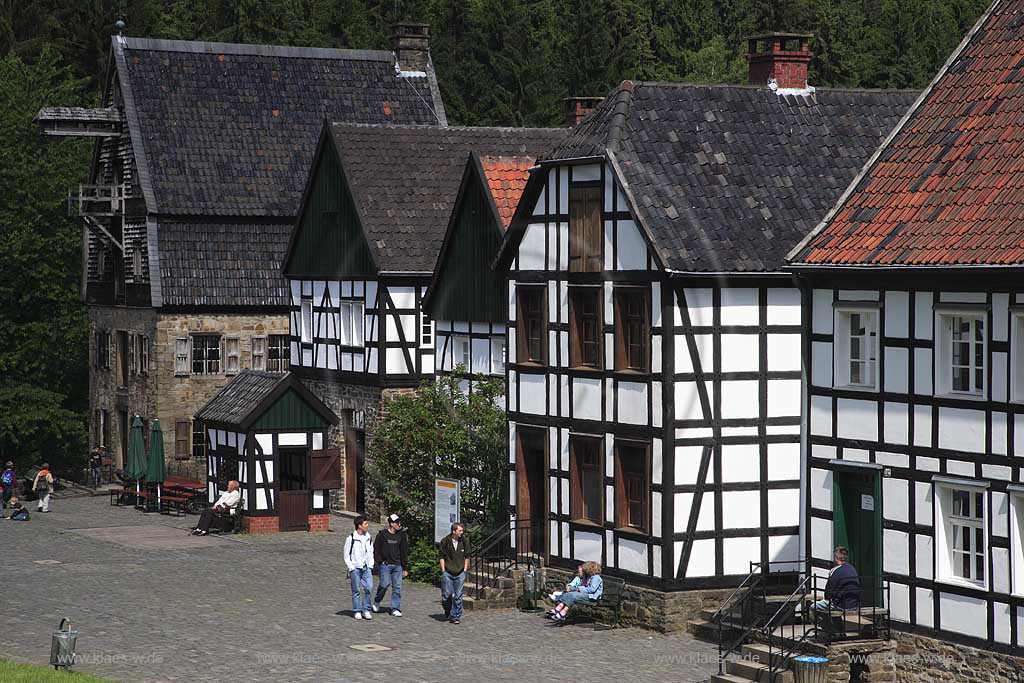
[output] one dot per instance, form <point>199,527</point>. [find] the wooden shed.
<point>269,432</point>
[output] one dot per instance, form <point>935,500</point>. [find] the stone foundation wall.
<point>920,659</point>
<point>261,525</point>
<point>665,612</point>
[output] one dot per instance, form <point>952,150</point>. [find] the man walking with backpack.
<point>391,553</point>
<point>43,485</point>
<point>359,560</point>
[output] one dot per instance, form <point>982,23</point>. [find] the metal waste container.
<point>809,669</point>
<point>62,646</point>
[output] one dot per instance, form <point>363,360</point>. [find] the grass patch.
<point>28,673</point>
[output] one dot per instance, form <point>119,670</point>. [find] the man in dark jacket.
<point>391,554</point>
<point>454,552</point>
<point>842,590</point>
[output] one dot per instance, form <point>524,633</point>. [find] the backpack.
<point>43,484</point>
<point>7,478</point>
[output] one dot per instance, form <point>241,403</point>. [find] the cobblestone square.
<point>154,608</point>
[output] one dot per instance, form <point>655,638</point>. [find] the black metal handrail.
<point>505,548</point>
<point>737,608</point>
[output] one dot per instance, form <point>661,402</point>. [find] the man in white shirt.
<point>227,503</point>
<point>359,560</point>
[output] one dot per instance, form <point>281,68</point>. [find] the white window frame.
<point>946,555</point>
<point>352,327</point>
<point>232,354</point>
<point>285,360</point>
<point>259,353</point>
<point>843,345</point>
<point>1017,357</point>
<point>143,354</point>
<point>944,361</point>
<point>464,355</point>
<point>426,332</point>
<point>498,358</point>
<point>1017,541</point>
<point>306,321</point>
<point>183,356</point>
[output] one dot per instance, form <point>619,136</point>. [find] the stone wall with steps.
<point>920,659</point>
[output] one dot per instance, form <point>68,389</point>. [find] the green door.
<point>857,524</point>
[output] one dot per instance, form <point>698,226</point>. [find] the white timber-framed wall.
<point>943,431</point>
<point>712,422</point>
<point>479,347</point>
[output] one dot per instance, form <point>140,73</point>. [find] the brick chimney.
<point>577,108</point>
<point>780,56</point>
<point>412,45</point>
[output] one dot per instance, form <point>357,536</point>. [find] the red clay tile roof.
<point>506,176</point>
<point>948,189</point>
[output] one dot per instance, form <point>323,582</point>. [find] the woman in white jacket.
<point>359,560</point>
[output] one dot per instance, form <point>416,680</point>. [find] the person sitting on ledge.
<point>842,590</point>
<point>590,591</point>
<point>227,503</point>
<point>18,511</point>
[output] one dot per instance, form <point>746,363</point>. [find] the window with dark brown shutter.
<point>585,234</point>
<point>181,439</point>
<point>585,327</point>
<point>531,324</point>
<point>632,329</point>
<point>632,487</point>
<point>586,474</point>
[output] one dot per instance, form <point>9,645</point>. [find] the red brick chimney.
<point>782,56</point>
<point>577,108</point>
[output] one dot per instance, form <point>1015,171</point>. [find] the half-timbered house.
<point>376,208</point>
<point>268,432</point>
<point>653,347</point>
<point>200,157</point>
<point>914,355</point>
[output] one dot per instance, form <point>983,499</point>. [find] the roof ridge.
<point>254,49</point>
<point>420,126</point>
<point>747,86</point>
<point>620,109</point>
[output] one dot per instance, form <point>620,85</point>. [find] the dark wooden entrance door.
<point>857,524</point>
<point>355,454</point>
<point>295,499</point>
<point>531,487</point>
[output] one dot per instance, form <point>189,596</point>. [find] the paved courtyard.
<point>155,605</point>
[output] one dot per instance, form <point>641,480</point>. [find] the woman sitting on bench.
<point>590,591</point>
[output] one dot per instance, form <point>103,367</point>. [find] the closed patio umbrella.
<point>155,470</point>
<point>136,465</point>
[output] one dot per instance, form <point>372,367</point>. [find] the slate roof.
<point>730,178</point>
<point>222,264</point>
<point>229,130</point>
<point>405,179</point>
<point>100,115</point>
<point>239,397</point>
<point>948,189</point>
<point>223,135</point>
<point>506,179</point>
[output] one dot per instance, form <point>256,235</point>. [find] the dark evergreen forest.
<point>499,62</point>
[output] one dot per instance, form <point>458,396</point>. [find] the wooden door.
<point>355,451</point>
<point>857,524</point>
<point>531,487</point>
<point>295,510</point>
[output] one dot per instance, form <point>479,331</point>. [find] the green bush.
<point>423,562</point>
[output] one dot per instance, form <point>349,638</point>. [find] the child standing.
<point>43,485</point>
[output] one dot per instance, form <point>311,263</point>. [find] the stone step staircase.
<point>503,593</point>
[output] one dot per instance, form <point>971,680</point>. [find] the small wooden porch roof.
<point>268,400</point>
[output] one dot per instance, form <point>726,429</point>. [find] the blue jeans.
<point>571,598</point>
<point>451,593</point>
<point>362,581</point>
<point>390,575</point>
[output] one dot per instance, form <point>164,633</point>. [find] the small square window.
<point>278,353</point>
<point>205,354</point>
<point>232,355</point>
<point>259,353</point>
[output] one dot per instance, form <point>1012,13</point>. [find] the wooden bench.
<point>119,496</point>
<point>179,504</point>
<point>613,590</point>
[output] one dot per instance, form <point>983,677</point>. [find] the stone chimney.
<point>412,45</point>
<point>577,108</point>
<point>783,57</point>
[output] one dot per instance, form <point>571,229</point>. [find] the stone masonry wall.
<point>179,397</point>
<point>927,660</point>
<point>137,396</point>
<point>662,611</point>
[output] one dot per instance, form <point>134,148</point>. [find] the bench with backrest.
<point>230,523</point>
<point>612,592</point>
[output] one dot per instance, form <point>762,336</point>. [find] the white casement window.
<point>181,354</point>
<point>259,353</point>
<point>426,331</point>
<point>962,353</point>
<point>1017,357</point>
<point>306,321</point>
<point>856,348</point>
<point>461,353</point>
<point>232,355</point>
<point>961,543</point>
<point>1017,541</point>
<point>498,356</point>
<point>352,323</point>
